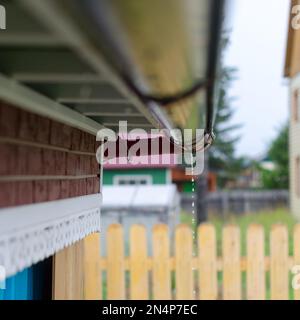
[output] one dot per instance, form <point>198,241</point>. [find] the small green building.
<point>136,175</point>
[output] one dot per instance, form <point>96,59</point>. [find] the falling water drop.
<point>194,221</point>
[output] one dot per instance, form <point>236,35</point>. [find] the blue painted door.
<point>19,287</point>
<point>34,283</point>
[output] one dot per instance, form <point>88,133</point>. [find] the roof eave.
<point>289,46</point>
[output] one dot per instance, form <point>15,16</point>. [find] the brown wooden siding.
<point>43,160</point>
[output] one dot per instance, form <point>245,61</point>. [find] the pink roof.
<point>148,161</point>
<point>154,161</point>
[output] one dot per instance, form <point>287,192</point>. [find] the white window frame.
<point>295,105</point>
<point>137,178</point>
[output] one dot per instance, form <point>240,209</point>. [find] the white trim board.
<point>31,233</point>
<point>20,96</point>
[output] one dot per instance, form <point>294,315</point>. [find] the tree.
<point>278,153</point>
<point>222,157</point>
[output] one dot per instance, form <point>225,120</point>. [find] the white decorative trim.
<point>32,233</point>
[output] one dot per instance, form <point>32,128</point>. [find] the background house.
<point>154,170</point>
<point>292,71</point>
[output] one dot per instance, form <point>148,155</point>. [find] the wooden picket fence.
<point>174,271</point>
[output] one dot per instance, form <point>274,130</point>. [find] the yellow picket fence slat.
<point>183,267</point>
<point>115,263</point>
<point>279,263</point>
<point>256,279</point>
<point>231,263</point>
<point>92,272</point>
<point>138,263</point>
<point>161,263</point>
<point>207,258</point>
<point>183,263</point>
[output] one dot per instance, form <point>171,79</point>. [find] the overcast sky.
<point>258,43</point>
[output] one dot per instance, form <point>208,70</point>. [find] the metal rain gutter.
<point>102,34</point>
<point>103,20</point>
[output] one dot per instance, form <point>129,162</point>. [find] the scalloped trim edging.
<point>39,239</point>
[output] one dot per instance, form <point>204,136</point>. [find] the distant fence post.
<point>247,203</point>
<point>225,203</point>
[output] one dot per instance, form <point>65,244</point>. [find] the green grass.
<point>266,219</point>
